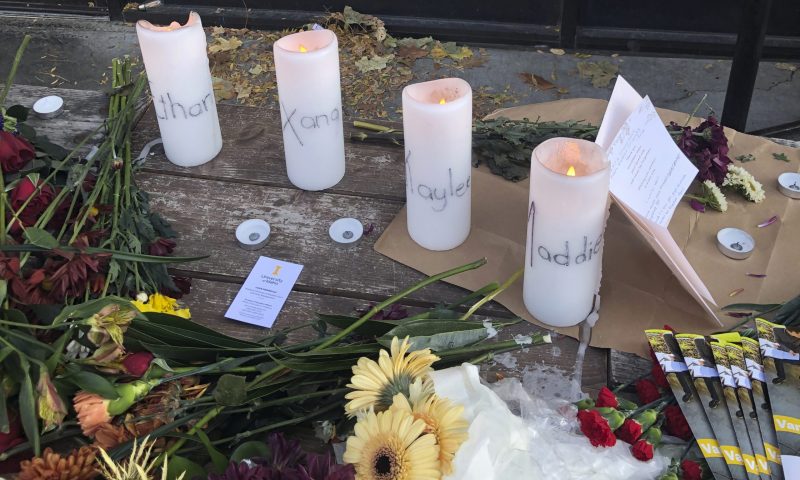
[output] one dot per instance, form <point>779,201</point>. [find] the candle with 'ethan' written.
<point>437,131</point>
<point>183,97</point>
<point>567,211</point>
<point>309,93</point>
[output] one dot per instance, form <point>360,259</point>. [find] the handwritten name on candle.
<point>590,250</point>
<point>308,122</point>
<point>437,194</point>
<point>173,110</point>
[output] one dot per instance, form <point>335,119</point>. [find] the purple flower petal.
<point>757,275</point>
<point>738,314</point>
<point>697,205</point>
<point>369,229</point>
<point>768,222</point>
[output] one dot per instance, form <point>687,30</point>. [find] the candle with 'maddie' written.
<point>310,97</point>
<point>567,211</point>
<point>437,131</point>
<point>183,97</point>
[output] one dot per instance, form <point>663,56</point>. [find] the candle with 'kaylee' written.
<point>310,97</point>
<point>567,211</point>
<point>437,131</point>
<point>183,97</point>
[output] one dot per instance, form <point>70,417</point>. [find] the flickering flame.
<point>303,49</point>
<point>442,101</point>
<point>571,171</point>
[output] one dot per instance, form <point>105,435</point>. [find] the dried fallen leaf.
<point>257,70</point>
<point>557,51</point>
<point>786,66</point>
<point>223,89</point>
<point>224,44</point>
<point>736,292</point>
<point>600,73</point>
<point>376,62</point>
<point>536,81</point>
<point>411,53</point>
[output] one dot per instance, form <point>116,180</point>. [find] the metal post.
<point>744,69</point>
<point>569,23</point>
<point>115,9</point>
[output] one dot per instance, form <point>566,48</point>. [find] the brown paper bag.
<point>638,291</point>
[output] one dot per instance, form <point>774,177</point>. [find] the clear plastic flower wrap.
<point>513,434</point>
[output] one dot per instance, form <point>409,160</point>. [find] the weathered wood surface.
<point>248,180</point>
<point>84,111</point>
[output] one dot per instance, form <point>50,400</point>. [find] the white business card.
<point>264,292</point>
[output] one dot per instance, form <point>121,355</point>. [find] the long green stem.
<point>488,298</point>
<point>13,72</point>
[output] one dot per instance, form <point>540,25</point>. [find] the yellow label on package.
<point>786,424</point>
<point>709,447</point>
<point>763,465</point>
<point>750,464</point>
<point>732,455</point>
<point>773,453</point>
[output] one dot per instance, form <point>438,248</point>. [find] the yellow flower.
<point>392,445</point>
<point>162,304</point>
<point>375,384</point>
<point>443,419</point>
<point>110,323</point>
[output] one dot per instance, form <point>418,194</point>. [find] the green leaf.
<point>27,407</point>
<point>780,156</point>
<point>58,346</point>
<point>437,334</point>
<point>178,466</point>
<point>93,383</point>
<point>219,460</point>
<point>370,328</point>
<point>41,238</point>
<point>251,449</point>
<point>3,290</point>
<point>231,390</point>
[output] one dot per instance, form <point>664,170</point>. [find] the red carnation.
<point>675,423</point>
<point>136,364</point>
<point>642,450</point>
<point>691,470</point>
<point>606,398</point>
<point>596,428</point>
<point>629,432</point>
<point>15,152</point>
<point>647,391</point>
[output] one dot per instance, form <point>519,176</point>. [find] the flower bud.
<point>129,394</point>
<point>584,403</point>
<point>646,418</point>
<point>653,436</point>
<point>52,409</point>
<point>117,163</point>
<point>613,416</point>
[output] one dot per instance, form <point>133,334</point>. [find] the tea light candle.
<point>437,129</point>
<point>789,184</point>
<point>307,70</point>
<point>253,234</point>
<point>735,243</point>
<point>50,106</point>
<point>567,211</point>
<point>183,98</point>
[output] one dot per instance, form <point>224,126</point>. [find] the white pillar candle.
<point>183,97</point>
<point>437,131</point>
<point>567,211</point>
<point>310,97</point>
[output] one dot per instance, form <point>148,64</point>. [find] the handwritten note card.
<point>264,292</point>
<point>649,176</point>
<point>648,171</point>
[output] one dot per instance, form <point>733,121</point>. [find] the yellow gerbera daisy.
<point>443,419</point>
<point>376,383</point>
<point>161,304</point>
<point>392,445</point>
